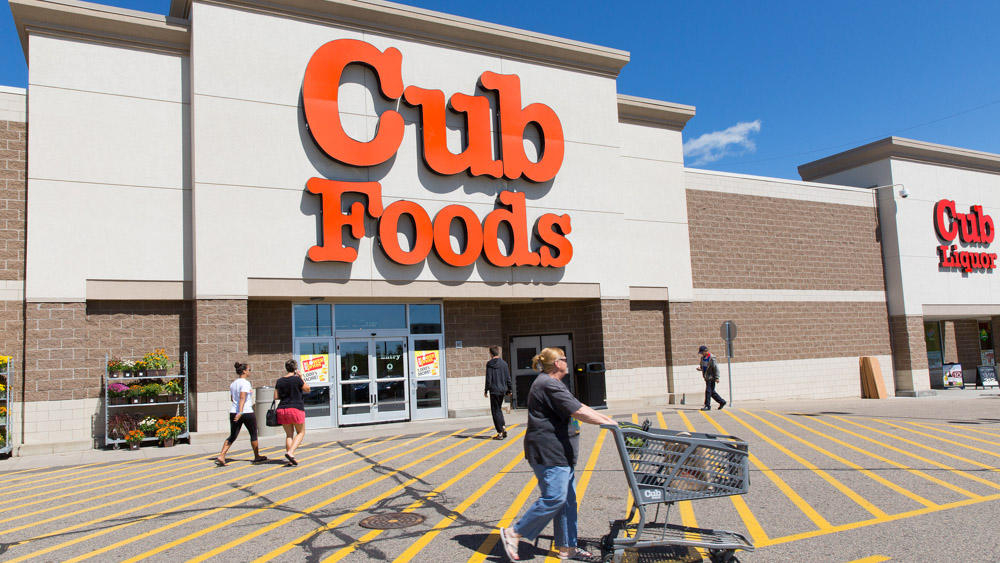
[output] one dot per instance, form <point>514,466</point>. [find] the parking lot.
<point>830,481</point>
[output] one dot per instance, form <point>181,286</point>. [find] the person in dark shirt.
<point>291,410</point>
<point>498,386</point>
<point>551,448</point>
<point>710,371</point>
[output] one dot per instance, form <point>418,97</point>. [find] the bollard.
<point>265,395</point>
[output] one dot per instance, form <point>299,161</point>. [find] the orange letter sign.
<point>330,192</point>
<point>320,89</point>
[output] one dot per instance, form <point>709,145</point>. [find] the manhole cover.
<point>391,520</point>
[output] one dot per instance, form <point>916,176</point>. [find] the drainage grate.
<point>391,520</point>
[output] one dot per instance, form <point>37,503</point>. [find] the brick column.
<point>615,332</point>
<point>909,356</point>
<point>220,340</point>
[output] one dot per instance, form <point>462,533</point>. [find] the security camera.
<point>904,193</point>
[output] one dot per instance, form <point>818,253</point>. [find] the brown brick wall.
<point>647,341</point>
<point>908,344</point>
<point>580,319</point>
<point>220,341</point>
<point>269,339</point>
<point>13,166</point>
<point>772,331</point>
<point>478,325</point>
<point>949,342</point>
<point>11,332</point>
<point>67,343</point>
<point>752,242</point>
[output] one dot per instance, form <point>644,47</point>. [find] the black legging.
<point>246,419</point>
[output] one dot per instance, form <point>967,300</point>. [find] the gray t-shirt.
<point>549,440</point>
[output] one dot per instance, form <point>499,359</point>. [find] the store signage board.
<point>315,368</point>
<point>986,376</point>
<point>428,363</point>
<point>320,91</point>
<point>972,228</point>
<point>953,376</point>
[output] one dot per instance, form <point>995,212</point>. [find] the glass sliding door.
<point>372,380</point>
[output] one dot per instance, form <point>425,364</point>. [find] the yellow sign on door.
<point>315,368</point>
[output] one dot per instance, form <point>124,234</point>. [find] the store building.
<point>254,181</point>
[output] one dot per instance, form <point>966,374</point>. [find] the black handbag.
<point>271,417</point>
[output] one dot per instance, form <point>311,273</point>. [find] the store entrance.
<point>372,380</point>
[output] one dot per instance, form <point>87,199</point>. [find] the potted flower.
<point>118,393</point>
<point>3,391</point>
<point>126,368</point>
<point>134,438</point>
<point>173,390</point>
<point>120,424</point>
<point>167,434</point>
<point>150,391</point>
<point>139,368</point>
<point>157,363</point>
<point>148,426</point>
<point>4,363</point>
<point>135,393</point>
<point>114,367</point>
<point>3,417</point>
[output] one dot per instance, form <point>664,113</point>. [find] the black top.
<point>548,440</point>
<point>289,391</point>
<point>498,377</point>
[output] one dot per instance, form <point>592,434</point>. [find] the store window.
<point>425,319</point>
<point>986,354</point>
<point>371,317</point>
<point>935,355</point>
<point>312,320</point>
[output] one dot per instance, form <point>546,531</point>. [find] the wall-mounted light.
<point>315,298</point>
<point>903,192</point>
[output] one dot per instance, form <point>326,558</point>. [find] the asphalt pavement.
<point>833,480</point>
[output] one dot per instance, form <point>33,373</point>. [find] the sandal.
<point>576,553</point>
<point>259,459</point>
<point>509,542</point>
<point>219,462</point>
<point>291,460</point>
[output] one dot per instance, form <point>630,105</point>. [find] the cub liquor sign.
<point>320,102</point>
<point>974,227</point>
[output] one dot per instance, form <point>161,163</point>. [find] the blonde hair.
<point>546,359</point>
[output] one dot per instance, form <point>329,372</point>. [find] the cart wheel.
<point>722,556</point>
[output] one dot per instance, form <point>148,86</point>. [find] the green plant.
<point>139,365</point>
<point>135,391</point>
<point>114,365</point>
<point>148,425</point>
<point>151,390</point>
<point>173,388</point>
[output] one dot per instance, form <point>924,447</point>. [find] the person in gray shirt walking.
<point>498,386</point>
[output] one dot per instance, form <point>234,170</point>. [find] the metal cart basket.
<point>666,466</point>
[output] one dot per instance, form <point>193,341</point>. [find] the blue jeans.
<point>557,503</point>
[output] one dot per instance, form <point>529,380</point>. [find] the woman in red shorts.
<point>291,410</point>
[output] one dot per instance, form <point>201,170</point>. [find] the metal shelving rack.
<point>108,441</point>
<point>5,377</point>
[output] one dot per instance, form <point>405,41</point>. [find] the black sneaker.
<point>722,405</point>
<point>706,408</point>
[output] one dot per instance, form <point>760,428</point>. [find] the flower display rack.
<point>147,393</point>
<point>6,373</point>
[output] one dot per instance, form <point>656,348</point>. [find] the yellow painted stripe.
<point>340,554</point>
<point>660,419</point>
<point>890,518</point>
<point>928,448</point>
<point>753,526</point>
<point>883,459</point>
<point>940,439</point>
<point>485,548</point>
<point>685,507</point>
<point>18,497</point>
<point>117,486</point>
<point>937,464</point>
<point>264,529</point>
<point>349,548</point>
<point>844,489</point>
<point>90,507</point>
<point>872,559</point>
<point>966,427</point>
<point>950,433</point>
<point>797,500</point>
<point>324,458</point>
<point>173,509</point>
<point>46,474</point>
<point>452,516</point>
<point>870,474</point>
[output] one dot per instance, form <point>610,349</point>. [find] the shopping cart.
<point>666,466</point>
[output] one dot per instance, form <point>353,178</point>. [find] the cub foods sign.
<point>972,228</point>
<point>319,99</point>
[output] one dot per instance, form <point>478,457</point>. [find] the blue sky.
<point>776,84</point>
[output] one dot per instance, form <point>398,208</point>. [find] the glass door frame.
<point>441,411</point>
<point>320,421</point>
<point>373,415</point>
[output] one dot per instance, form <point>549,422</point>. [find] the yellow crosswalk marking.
<point>797,500</point>
<point>950,433</point>
<point>485,548</point>
<point>264,529</point>
<point>872,559</point>
<point>883,459</point>
<point>870,474</point>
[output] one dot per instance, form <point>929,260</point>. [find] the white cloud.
<point>713,146</point>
